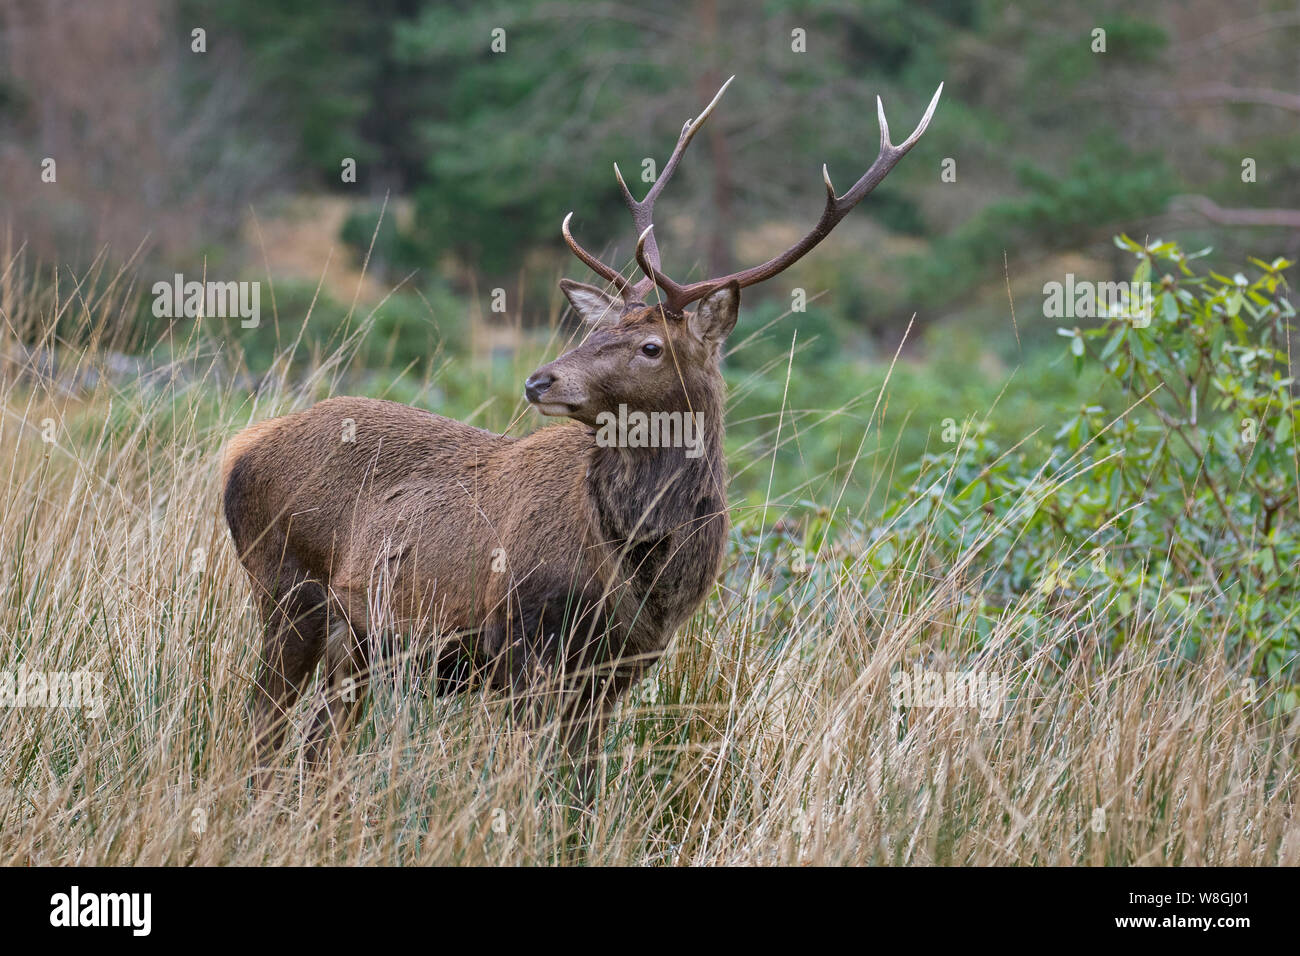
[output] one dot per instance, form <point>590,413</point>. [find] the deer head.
<point>643,357</point>
<point>657,356</point>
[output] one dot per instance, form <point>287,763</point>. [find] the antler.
<point>595,265</point>
<point>643,211</point>
<point>677,296</point>
<point>647,250</point>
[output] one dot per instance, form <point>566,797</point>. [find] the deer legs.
<point>302,626</point>
<point>293,643</point>
<point>347,674</point>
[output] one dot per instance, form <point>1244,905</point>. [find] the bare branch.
<point>1219,93</point>
<point>1212,211</point>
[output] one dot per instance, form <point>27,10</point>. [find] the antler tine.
<point>837,207</point>
<point>889,153</point>
<point>643,211</point>
<point>672,291</point>
<point>689,129</point>
<point>625,288</point>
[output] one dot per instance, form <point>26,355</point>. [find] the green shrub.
<point>1172,493</point>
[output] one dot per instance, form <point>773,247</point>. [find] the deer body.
<point>431,526</point>
<point>513,557</point>
<point>557,560</point>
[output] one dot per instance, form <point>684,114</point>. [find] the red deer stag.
<point>557,555</point>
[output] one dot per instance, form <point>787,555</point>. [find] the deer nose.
<point>537,385</point>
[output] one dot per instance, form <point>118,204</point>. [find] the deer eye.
<point>651,349</point>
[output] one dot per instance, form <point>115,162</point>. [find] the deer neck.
<point>660,475</point>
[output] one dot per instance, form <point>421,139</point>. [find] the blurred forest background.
<point>228,163</point>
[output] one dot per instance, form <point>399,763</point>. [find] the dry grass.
<point>767,735</point>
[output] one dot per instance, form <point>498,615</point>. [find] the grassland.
<point>768,735</point>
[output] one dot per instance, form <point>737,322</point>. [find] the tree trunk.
<point>719,226</point>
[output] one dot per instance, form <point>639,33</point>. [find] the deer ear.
<point>716,315</point>
<point>595,306</point>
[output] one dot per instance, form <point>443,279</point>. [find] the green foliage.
<point>409,328</point>
<point>1106,184</point>
<point>516,139</point>
<point>322,64</point>
<point>372,233</point>
<point>1172,492</point>
<point>1065,58</point>
<point>823,415</point>
<point>500,141</point>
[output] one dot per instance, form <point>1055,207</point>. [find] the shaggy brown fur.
<point>509,561</point>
